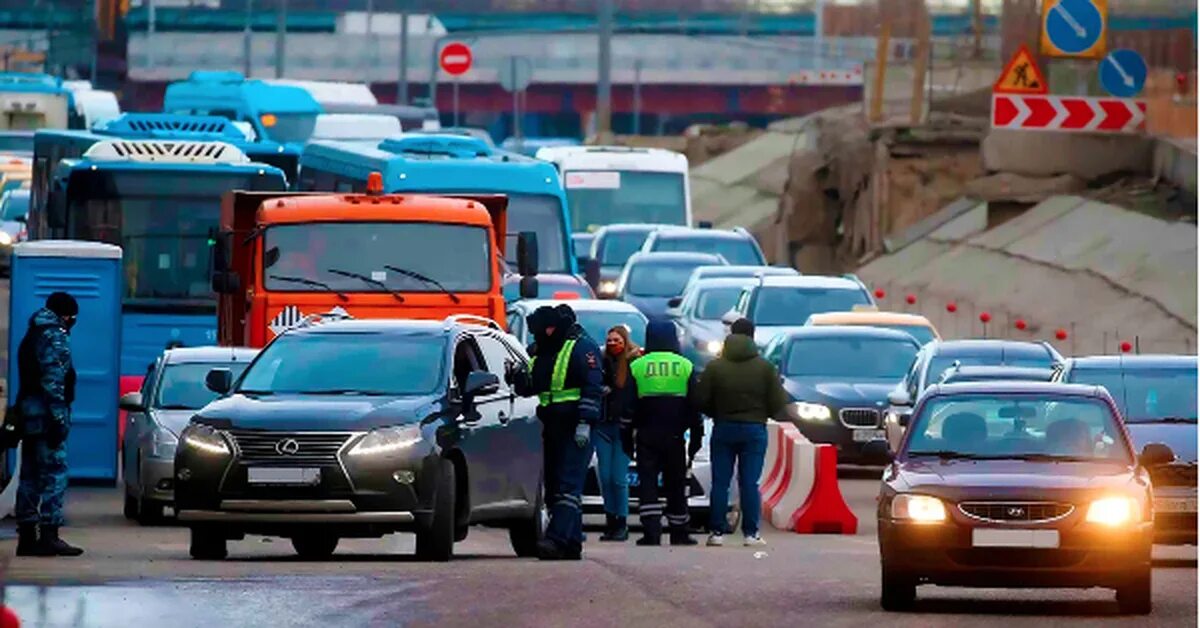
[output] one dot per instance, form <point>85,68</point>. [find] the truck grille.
<point>1016,512</point>
<point>860,417</point>
<point>289,449</point>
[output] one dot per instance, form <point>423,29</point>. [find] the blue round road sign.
<point>1123,73</point>
<point>1074,26</point>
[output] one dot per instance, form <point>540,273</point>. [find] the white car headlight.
<point>387,440</point>
<point>812,411</point>
<point>163,444</point>
<point>607,287</point>
<point>711,347</point>
<point>918,509</point>
<point>5,238</point>
<point>1114,511</point>
<point>204,438</point>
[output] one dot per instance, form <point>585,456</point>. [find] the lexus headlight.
<point>1114,511</point>
<point>387,440</point>
<point>918,509</point>
<point>812,411</point>
<point>204,438</point>
<point>608,287</point>
<point>163,444</point>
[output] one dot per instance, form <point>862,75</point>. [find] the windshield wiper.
<point>257,393</point>
<point>344,391</point>
<point>946,454</point>
<point>174,406</point>
<point>1053,458</point>
<point>429,280</point>
<point>310,282</point>
<point>1165,419</point>
<point>367,280</point>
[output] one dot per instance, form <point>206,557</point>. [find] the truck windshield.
<point>289,127</point>
<point>369,257</point>
<point>543,215</point>
<point>599,198</point>
<point>162,220</point>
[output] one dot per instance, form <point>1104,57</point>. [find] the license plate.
<point>275,475</point>
<point>865,436</point>
<point>990,537</point>
<point>1174,504</point>
<point>633,479</point>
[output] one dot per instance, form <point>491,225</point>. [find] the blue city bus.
<point>161,202</point>
<point>454,164</point>
<point>280,113</point>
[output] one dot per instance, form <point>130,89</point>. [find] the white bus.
<point>617,184</point>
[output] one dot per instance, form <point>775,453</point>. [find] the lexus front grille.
<point>859,417</point>
<point>289,449</point>
<point>1016,512</point>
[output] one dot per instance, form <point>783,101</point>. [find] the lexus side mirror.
<point>877,453</point>
<point>481,383</point>
<point>527,254</point>
<point>131,402</point>
<point>1155,454</point>
<point>219,381</point>
<point>899,398</point>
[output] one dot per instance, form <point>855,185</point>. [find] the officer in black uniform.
<point>565,374</point>
<point>663,383</point>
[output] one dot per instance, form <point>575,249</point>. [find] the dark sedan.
<point>839,379</point>
<point>361,429</point>
<point>1157,398</point>
<point>1016,484</point>
<point>651,280</point>
<point>611,248</point>
<point>697,314</point>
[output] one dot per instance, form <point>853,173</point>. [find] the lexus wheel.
<point>436,543</point>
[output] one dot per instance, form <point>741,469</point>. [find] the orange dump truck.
<point>282,257</point>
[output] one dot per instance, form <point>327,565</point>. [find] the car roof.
<point>1017,387</point>
<point>721,282</point>
<point>850,331</point>
<point>629,228</point>
<point>666,258</point>
<point>807,281</point>
<point>745,270</point>
<point>579,305</point>
<point>1110,362</point>
<point>868,318</point>
<point>978,346</point>
<point>683,233</point>
<point>203,355</point>
<point>378,326</point>
<point>1018,372</point>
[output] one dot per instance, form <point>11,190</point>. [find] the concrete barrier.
<point>799,485</point>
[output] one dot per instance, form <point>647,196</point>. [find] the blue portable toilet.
<point>90,272</point>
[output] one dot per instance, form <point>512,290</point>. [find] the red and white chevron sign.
<point>1032,112</point>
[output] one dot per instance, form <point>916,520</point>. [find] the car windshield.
<point>377,257</point>
<point>618,247</point>
<point>1005,426</point>
<point>715,302</point>
<point>182,386</point>
<point>597,324</point>
<point>738,251</point>
<point>660,279</point>
<point>289,127</point>
<point>921,333</point>
<point>348,363</point>
<point>793,306</point>
<point>849,358</point>
<point>1146,395</point>
<point>542,214</point>
<point>163,221</point>
<point>939,364</point>
<point>599,198</point>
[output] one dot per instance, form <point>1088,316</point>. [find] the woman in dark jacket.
<point>612,461</point>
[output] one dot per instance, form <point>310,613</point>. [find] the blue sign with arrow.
<point>1123,73</point>
<point>1074,26</point>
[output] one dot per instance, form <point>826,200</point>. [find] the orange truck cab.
<point>282,258</point>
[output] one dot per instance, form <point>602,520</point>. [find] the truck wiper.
<point>310,282</point>
<point>429,280</point>
<point>367,280</point>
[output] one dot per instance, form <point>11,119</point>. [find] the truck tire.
<point>436,543</point>
<point>527,533</point>
<point>208,544</point>
<point>1134,597</point>
<point>315,546</point>
<point>898,592</point>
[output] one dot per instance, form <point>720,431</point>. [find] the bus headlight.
<point>387,440</point>
<point>204,438</point>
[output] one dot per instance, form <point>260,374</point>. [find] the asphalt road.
<point>133,576</point>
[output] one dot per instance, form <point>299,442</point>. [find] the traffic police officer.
<point>663,382</point>
<point>565,374</point>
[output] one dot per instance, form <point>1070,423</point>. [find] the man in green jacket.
<point>740,390</point>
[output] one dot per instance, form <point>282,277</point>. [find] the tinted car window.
<point>740,251</point>
<point>1146,394</point>
<point>849,358</point>
<point>183,386</point>
<point>619,247</point>
<point>715,302</point>
<point>658,279</point>
<point>939,364</point>
<point>597,324</point>
<point>365,363</point>
<point>793,306</point>
<point>1017,426</point>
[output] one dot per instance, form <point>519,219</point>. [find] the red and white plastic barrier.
<point>799,485</point>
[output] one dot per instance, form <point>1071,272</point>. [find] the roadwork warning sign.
<point>1021,76</point>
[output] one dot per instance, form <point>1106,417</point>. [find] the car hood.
<point>1180,437</point>
<point>707,330</point>
<point>316,412</point>
<point>173,420</point>
<point>956,480</point>
<point>652,307</point>
<point>867,393</point>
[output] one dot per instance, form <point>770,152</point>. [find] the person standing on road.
<point>740,391</point>
<point>663,384</point>
<point>565,374</point>
<point>47,389</point>
<point>613,433</point>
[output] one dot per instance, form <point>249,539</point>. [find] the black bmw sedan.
<point>361,429</point>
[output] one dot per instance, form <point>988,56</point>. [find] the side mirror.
<point>675,302</point>
<point>226,283</point>
<point>219,381</point>
<point>529,287</point>
<point>132,402</point>
<point>527,254</point>
<point>877,453</point>
<point>591,272</point>
<point>1155,454</point>
<point>480,383</point>
<point>899,398</point>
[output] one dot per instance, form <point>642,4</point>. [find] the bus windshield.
<point>164,221</point>
<point>599,198</point>
<point>541,214</point>
<point>289,127</point>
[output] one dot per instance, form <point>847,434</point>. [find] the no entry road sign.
<point>1068,113</point>
<point>455,58</point>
